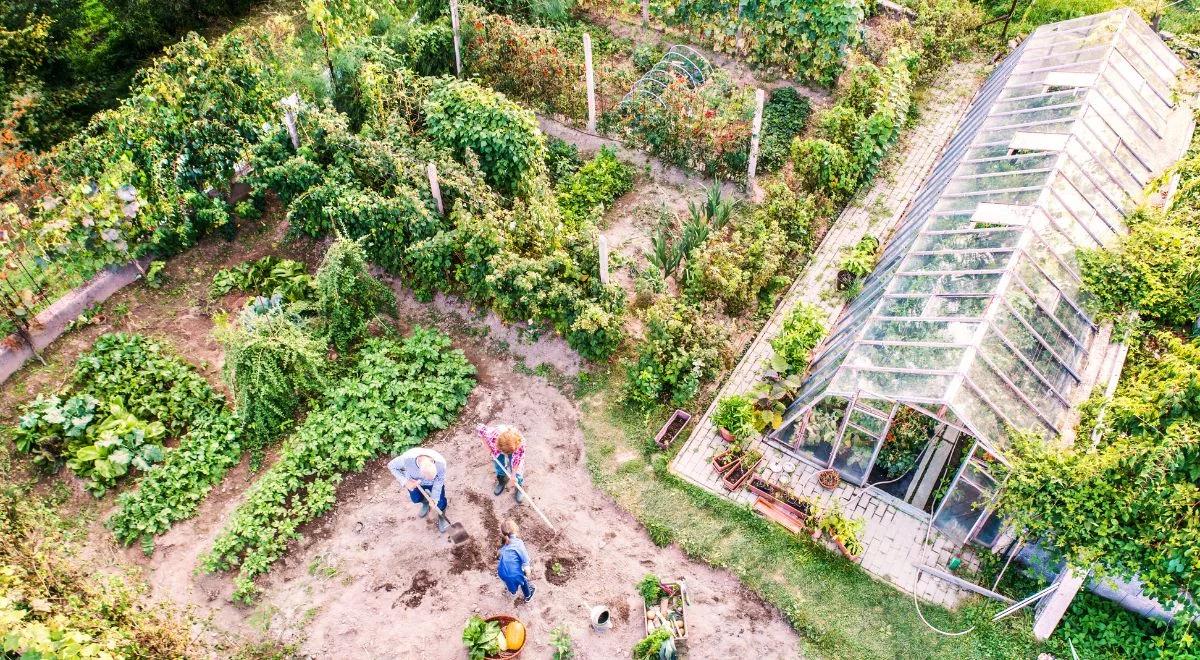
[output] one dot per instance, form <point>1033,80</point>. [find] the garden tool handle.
<point>496,460</point>
<point>429,500</point>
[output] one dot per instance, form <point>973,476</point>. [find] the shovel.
<point>496,460</point>
<point>457,533</point>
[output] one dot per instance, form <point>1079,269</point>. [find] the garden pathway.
<point>895,537</point>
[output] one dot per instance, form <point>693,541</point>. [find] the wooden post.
<point>457,42</point>
<point>291,105</point>
<point>603,260</point>
<point>434,188</point>
<point>591,82</point>
<point>645,13</point>
<point>755,134</point>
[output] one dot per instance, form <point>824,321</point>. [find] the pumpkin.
<point>514,634</point>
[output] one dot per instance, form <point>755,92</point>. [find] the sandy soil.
<point>373,580</point>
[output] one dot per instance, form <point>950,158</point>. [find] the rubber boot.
<point>443,524</point>
<point>424,509</point>
<point>501,483</point>
<point>518,495</point>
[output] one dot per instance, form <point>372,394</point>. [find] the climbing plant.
<point>348,296</point>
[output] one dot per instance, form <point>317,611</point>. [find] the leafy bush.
<point>1153,271</point>
<point>523,62</point>
<point>598,183</point>
<point>348,296</point>
<point>681,351</point>
<point>947,30</point>
<point>803,328</point>
<point>808,39</point>
<point>784,117</point>
<point>562,159</point>
<point>705,129</point>
<point>1100,628</point>
<point>793,213</point>
<point>823,167</point>
<point>860,260</point>
<point>271,365</point>
<point>266,276</point>
<point>481,638</point>
<point>114,446</point>
<point>735,413</point>
<point>739,267</point>
<point>397,394</point>
<point>505,138</point>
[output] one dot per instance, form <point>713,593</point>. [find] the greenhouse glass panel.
<point>973,310</point>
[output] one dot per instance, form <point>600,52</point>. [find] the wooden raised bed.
<point>676,613</point>
<point>672,429</point>
<point>740,474</point>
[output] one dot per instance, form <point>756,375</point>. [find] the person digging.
<point>512,565</point>
<point>423,472</point>
<point>508,454</point>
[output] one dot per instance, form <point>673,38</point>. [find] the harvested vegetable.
<point>514,635</point>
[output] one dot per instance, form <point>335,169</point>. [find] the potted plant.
<point>735,418</point>
<point>499,637</point>
<point>726,460</point>
<point>742,471</point>
<point>845,533</point>
<point>907,437</point>
<point>828,479</point>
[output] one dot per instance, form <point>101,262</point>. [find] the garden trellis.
<point>973,315</point>
<point>681,62</point>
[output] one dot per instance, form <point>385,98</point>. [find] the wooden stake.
<point>457,42</point>
<point>603,260</point>
<point>645,13</point>
<point>755,134</point>
<point>591,82</point>
<point>434,188</point>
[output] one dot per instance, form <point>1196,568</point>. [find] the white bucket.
<point>601,619</point>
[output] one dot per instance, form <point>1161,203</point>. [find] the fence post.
<point>603,260</point>
<point>291,105</point>
<point>457,43</point>
<point>1052,608</point>
<point>591,82</point>
<point>645,13</point>
<point>755,134</point>
<point>434,188</point>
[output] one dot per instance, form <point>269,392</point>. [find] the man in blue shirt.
<point>513,565</point>
<point>421,468</point>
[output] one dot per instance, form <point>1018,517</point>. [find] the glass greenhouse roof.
<point>974,306</point>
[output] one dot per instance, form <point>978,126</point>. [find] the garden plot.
<point>361,581</point>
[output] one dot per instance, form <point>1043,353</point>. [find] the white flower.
<point>88,221</point>
<point>127,193</point>
<point>131,209</point>
<point>110,234</point>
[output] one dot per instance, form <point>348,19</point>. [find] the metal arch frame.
<point>671,63</point>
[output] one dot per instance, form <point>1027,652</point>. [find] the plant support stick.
<point>755,134</point>
<point>457,46</point>
<point>434,188</point>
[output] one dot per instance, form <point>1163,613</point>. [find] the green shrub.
<point>505,137</point>
<point>824,168</point>
<point>682,350</point>
<point>562,159</point>
<point>271,364</point>
<point>645,56</point>
<point>735,413</point>
<point>947,30</point>
<point>739,267</point>
<point>803,328</point>
<point>598,183</point>
<point>348,296</point>
<point>1152,271</point>
<point>793,213</point>
<point>784,117</point>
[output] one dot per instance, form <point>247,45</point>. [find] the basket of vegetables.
<point>663,606</point>
<point>498,637</point>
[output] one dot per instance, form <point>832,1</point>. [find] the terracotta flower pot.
<point>841,546</point>
<point>828,479</point>
<point>721,462</point>
<point>725,434</point>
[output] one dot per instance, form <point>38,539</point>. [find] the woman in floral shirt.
<point>508,450</point>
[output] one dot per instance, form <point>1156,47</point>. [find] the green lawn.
<point>838,609</point>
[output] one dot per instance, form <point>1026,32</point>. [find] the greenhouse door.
<point>963,511</point>
<point>863,431</point>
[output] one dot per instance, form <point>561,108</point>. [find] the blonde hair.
<point>509,528</point>
<point>508,441</point>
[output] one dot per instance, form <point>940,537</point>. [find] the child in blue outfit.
<point>513,565</point>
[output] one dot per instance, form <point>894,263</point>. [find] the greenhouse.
<point>971,326</point>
